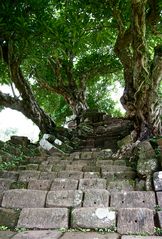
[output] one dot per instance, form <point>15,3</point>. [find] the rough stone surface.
<point>134,199</point>
<point>93,183</point>
<point>159,199</point>
<point>140,237</point>
<point>86,155</point>
<point>12,175</point>
<point>91,175</point>
<point>28,175</point>
<point>21,198</point>
<point>8,217</point>
<point>89,235</point>
<point>157,179</point>
<point>39,184</point>
<point>64,198</point>
<point>99,198</point>
<point>93,217</point>
<point>5,184</point>
<point>63,183</point>
<point>160,218</point>
<point>70,174</point>
<point>120,186</point>
<point>48,175</point>
<point>43,234</point>
<point>135,220</point>
<point>6,234</point>
<point>44,218</point>
<point>91,169</point>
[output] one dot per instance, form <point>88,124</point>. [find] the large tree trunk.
<point>26,103</point>
<point>142,78</point>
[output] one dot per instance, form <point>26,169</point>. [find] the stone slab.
<point>94,183</point>
<point>159,199</point>
<point>21,198</point>
<point>43,234</point>
<point>32,166</point>
<point>26,175</point>
<point>135,221</point>
<point>93,217</point>
<point>73,167</point>
<point>70,174</point>
<point>6,234</point>
<point>48,175</point>
<point>120,186</point>
<point>157,179</point>
<point>5,184</point>
<point>12,175</point>
<point>115,168</point>
<point>133,199</point>
<point>89,235</point>
<point>160,218</point>
<point>140,237</point>
<point>44,218</point>
<point>64,198</point>
<point>91,169</point>
<point>104,162</point>
<point>98,197</point>
<point>45,168</point>
<point>92,175</point>
<point>39,184</point>
<point>9,217</point>
<point>63,183</point>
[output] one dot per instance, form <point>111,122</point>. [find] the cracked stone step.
<point>43,234</point>
<point>64,198</point>
<point>93,217</point>
<point>96,198</point>
<point>89,235</point>
<point>135,221</point>
<point>22,198</point>
<point>133,199</point>
<point>44,218</point>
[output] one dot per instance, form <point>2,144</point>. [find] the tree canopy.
<point>63,55</point>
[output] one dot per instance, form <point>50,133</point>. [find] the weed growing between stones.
<point>158,208</point>
<point>3,228</point>
<point>158,231</point>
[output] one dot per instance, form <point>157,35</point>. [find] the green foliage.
<point>158,231</point>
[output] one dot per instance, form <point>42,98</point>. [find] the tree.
<point>142,74</point>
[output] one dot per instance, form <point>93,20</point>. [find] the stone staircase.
<point>84,195</point>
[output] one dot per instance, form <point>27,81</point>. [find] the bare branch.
<point>10,102</point>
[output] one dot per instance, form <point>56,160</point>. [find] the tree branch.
<point>10,102</point>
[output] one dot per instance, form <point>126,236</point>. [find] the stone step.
<point>39,234</point>
<point>89,235</point>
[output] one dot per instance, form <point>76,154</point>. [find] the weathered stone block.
<point>44,218</point>
<point>160,218</point>
<point>6,234</point>
<point>98,197</point>
<point>135,221</point>
<point>94,183</point>
<point>21,198</point>
<point>104,162</point>
<point>12,175</point>
<point>9,217</point>
<point>32,166</point>
<point>133,199</point>
<point>120,186</point>
<point>90,235</point>
<point>86,155</point>
<point>45,168</point>
<point>39,185</point>
<point>38,234</point>
<point>70,174</point>
<point>73,167</point>
<point>108,175</point>
<point>115,168</point>
<point>5,184</point>
<point>63,183</point>
<point>157,179</point>
<point>28,175</point>
<point>159,199</point>
<point>64,198</point>
<point>48,175</point>
<point>91,169</point>
<point>57,168</point>
<point>93,217</point>
<point>92,175</point>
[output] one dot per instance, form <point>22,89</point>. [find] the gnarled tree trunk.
<point>142,78</point>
